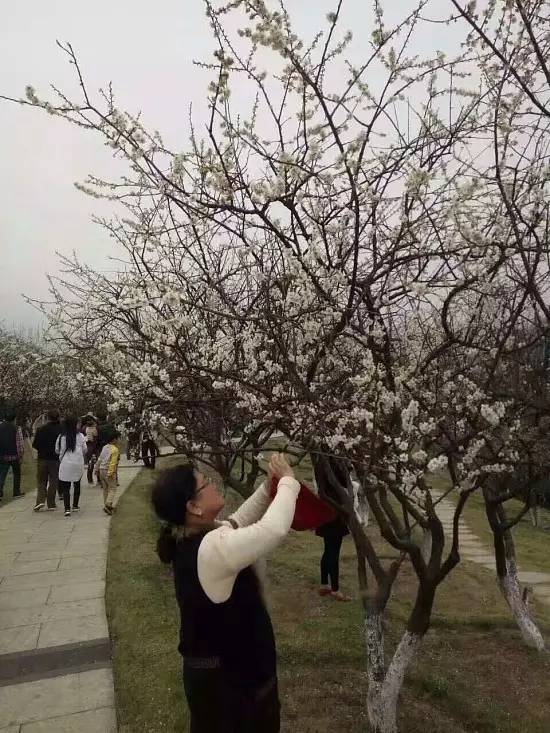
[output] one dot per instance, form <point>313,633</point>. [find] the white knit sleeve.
<point>225,551</point>
<point>253,508</point>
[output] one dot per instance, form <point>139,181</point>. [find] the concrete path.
<point>471,548</point>
<point>55,666</point>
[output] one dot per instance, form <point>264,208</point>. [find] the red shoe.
<point>337,595</point>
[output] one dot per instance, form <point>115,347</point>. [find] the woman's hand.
<point>279,466</point>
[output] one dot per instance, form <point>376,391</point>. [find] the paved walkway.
<point>471,548</point>
<point>55,666</point>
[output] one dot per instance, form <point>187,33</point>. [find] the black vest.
<point>238,632</point>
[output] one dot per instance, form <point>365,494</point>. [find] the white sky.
<point>146,49</point>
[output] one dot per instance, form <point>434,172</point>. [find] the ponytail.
<point>171,492</point>
<point>166,546</point>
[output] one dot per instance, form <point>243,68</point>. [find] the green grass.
<point>532,543</point>
<point>473,673</point>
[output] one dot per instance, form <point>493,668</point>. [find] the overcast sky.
<point>146,49</point>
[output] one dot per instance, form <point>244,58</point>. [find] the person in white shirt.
<point>226,637</point>
<point>71,449</point>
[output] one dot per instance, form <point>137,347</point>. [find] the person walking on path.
<point>107,467</point>
<point>71,448</point>
<point>12,449</point>
<point>89,430</point>
<point>47,465</point>
<point>105,431</point>
<point>91,435</point>
<point>226,636</point>
<point>332,533</point>
<point>149,450</point>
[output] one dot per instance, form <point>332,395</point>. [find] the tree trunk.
<point>385,686</point>
<point>426,547</point>
<point>507,576</point>
<point>511,590</point>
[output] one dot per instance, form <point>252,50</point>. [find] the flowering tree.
<point>341,263</point>
<point>137,341</point>
<point>509,42</point>
<point>520,384</point>
<point>33,379</point>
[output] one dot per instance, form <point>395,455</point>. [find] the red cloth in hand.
<point>311,512</point>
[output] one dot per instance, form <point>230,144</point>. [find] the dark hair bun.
<point>171,492</point>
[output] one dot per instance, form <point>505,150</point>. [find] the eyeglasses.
<point>209,481</point>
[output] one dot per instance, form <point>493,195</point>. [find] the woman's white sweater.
<point>252,532</point>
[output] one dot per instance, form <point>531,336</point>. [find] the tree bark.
<point>508,581</point>
<point>385,686</point>
<point>426,547</point>
<point>511,590</point>
<point>507,573</point>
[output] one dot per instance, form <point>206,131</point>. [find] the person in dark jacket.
<point>47,465</point>
<point>226,636</point>
<point>149,450</point>
<point>12,448</point>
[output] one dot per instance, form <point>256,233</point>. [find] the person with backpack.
<point>47,464</point>
<point>226,637</point>
<point>71,449</point>
<point>12,449</point>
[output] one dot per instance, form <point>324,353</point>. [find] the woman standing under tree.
<point>71,449</point>
<point>226,637</point>
<point>332,533</point>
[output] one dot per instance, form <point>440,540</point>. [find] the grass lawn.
<point>532,543</point>
<point>473,674</point>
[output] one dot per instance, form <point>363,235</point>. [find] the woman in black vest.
<point>226,637</point>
